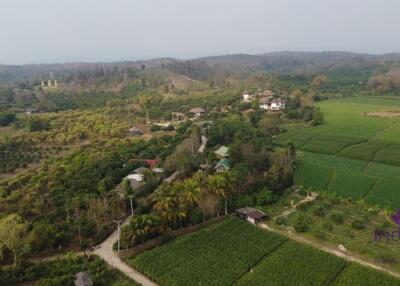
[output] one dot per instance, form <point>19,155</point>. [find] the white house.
<point>268,103</point>
<point>247,97</point>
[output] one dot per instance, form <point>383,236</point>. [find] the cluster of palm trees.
<point>179,204</point>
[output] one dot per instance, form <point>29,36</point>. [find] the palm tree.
<point>229,184</point>
<point>190,195</point>
<point>164,201</point>
<point>142,226</point>
<point>217,184</point>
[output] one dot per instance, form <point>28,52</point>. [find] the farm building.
<point>251,215</point>
<point>222,152</point>
<point>135,131</point>
<point>222,166</point>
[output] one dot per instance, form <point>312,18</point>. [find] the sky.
<point>47,31</point>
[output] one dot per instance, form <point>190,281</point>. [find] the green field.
<point>352,154</point>
<point>376,183</point>
<point>234,252</point>
<point>294,264</point>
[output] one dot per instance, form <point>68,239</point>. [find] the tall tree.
<point>12,230</point>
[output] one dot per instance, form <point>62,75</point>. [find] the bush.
<point>358,224</point>
<point>337,218</point>
<point>319,211</point>
<point>319,234</point>
<point>301,225</point>
<point>328,226</point>
<point>155,128</point>
<point>280,220</point>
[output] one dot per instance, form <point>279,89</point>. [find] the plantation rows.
<point>234,252</point>
<point>215,256</point>
<point>351,181</point>
<point>19,154</point>
<point>295,264</point>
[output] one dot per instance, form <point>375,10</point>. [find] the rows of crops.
<point>295,264</point>
<point>358,275</point>
<point>215,256</point>
<point>376,183</point>
<point>234,252</point>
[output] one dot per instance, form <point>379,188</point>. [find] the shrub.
<point>280,220</point>
<point>155,128</point>
<point>319,234</point>
<point>358,224</point>
<point>337,218</point>
<point>301,225</point>
<point>328,226</point>
<point>319,211</point>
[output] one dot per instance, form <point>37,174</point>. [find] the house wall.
<point>249,219</point>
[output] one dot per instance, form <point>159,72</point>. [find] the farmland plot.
<point>363,151</point>
<point>295,264</point>
<point>218,255</point>
<point>329,143</point>
<point>358,275</point>
<point>385,193</point>
<point>346,184</point>
<point>312,176</point>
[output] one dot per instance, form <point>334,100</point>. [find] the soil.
<point>386,114</point>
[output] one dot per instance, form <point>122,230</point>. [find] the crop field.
<point>346,184</point>
<point>358,275</point>
<point>298,138</point>
<point>386,193</point>
<point>295,264</point>
<point>364,141</point>
<point>329,144</point>
<point>234,252</point>
<point>375,182</point>
<point>218,255</point>
<point>364,151</point>
<point>311,176</point>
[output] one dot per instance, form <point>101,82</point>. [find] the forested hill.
<point>207,67</point>
<point>298,62</point>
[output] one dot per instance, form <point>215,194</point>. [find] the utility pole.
<point>131,197</point>
<point>119,231</point>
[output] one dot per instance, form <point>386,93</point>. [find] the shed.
<point>223,165</point>
<point>83,279</point>
<point>222,152</point>
<point>251,215</point>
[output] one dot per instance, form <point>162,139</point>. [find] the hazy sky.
<point>37,31</point>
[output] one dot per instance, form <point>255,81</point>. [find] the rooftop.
<point>223,151</point>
